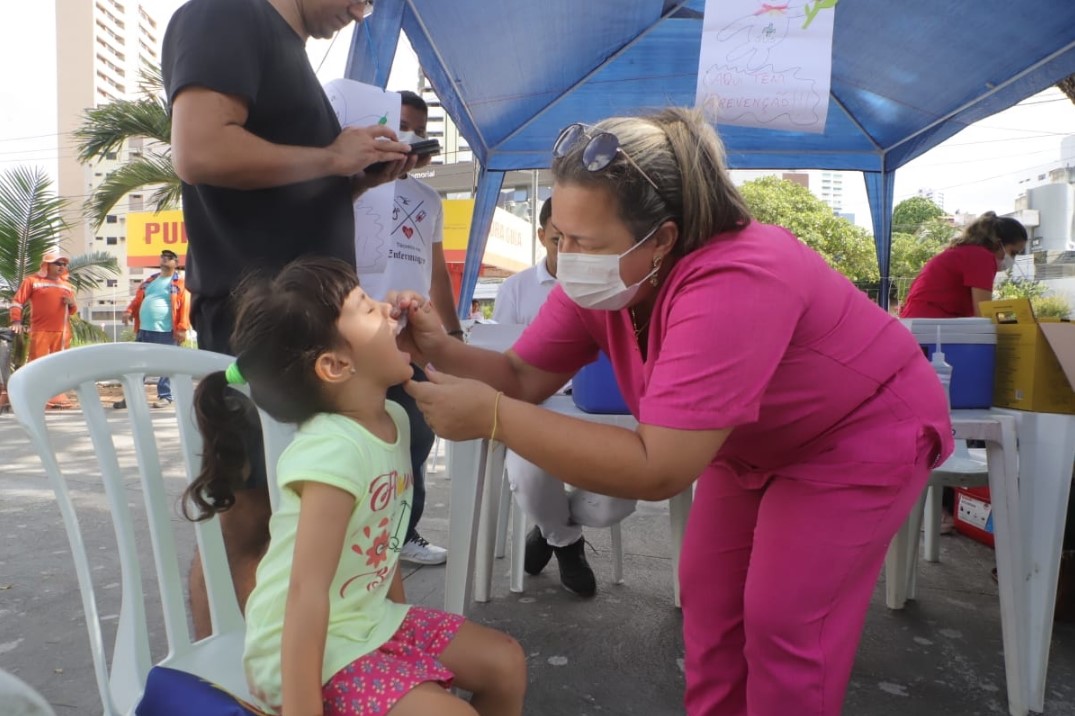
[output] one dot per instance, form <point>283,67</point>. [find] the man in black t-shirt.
<point>268,176</point>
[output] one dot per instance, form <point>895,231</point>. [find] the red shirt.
<point>943,289</point>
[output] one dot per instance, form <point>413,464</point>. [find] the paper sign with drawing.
<point>361,105</point>
<point>766,64</point>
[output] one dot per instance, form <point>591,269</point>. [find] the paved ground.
<point>618,654</point>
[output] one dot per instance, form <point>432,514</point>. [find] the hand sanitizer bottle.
<point>943,369</point>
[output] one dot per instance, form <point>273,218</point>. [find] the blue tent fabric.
<point>489,183</point>
<point>879,190</point>
<point>373,45</point>
<point>906,76</point>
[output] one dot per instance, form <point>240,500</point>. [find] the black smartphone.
<point>425,147</point>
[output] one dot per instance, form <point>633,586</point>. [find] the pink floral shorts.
<point>374,683</point>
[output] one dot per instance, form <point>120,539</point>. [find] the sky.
<point>977,170</point>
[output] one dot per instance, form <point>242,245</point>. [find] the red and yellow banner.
<point>509,243</point>
<point>149,233</point>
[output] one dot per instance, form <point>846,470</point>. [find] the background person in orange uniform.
<point>52,302</point>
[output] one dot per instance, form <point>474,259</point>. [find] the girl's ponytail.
<point>221,414</point>
<point>282,324</point>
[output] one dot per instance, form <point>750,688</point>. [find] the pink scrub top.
<point>756,332</point>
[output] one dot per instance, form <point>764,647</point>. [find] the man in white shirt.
<point>558,515</point>
<point>415,262</point>
<point>521,295</point>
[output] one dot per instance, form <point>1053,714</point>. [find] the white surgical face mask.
<point>1006,263</point>
<point>593,280</point>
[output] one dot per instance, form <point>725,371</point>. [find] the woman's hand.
<point>423,333</point>
<point>456,408</point>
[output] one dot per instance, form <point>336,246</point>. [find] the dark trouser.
<point>213,319</point>
<point>422,438</point>
<point>163,338</point>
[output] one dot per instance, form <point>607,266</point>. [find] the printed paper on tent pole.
<point>766,63</point>
<point>361,105</point>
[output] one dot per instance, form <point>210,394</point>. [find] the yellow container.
<point>1035,359</point>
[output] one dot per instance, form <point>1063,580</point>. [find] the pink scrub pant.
<point>776,579</point>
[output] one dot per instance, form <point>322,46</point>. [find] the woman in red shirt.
<point>955,281</point>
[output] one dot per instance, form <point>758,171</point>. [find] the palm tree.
<point>31,221</point>
<point>104,130</point>
<point>1067,86</point>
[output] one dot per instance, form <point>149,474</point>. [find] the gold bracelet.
<point>496,411</point>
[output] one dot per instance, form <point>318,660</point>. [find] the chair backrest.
<point>20,699</point>
<point>217,658</point>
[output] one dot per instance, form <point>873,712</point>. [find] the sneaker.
<point>538,552</point>
<point>119,405</point>
<point>162,403</point>
<point>420,551</point>
<point>575,572</point>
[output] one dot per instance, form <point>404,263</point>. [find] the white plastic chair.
<point>500,337</point>
<point>19,698</point>
<point>510,514</point>
<point>217,658</point>
<point>961,469</point>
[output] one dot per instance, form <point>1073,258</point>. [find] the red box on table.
<point>974,514</point>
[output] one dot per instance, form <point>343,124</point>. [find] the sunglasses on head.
<point>600,150</point>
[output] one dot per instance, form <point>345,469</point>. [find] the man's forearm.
<point>237,159</point>
<point>441,293</point>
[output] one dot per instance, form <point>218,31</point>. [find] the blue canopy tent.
<point>906,76</point>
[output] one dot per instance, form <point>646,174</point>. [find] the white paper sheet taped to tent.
<point>766,63</point>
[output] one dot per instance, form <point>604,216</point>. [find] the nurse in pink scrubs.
<point>805,416</point>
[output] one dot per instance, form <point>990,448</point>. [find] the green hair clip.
<point>233,376</point>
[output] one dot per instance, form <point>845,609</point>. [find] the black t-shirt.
<point>245,48</point>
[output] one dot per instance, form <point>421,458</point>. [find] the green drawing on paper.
<point>813,10</point>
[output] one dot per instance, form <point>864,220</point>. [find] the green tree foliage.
<point>104,130</point>
<point>846,247</point>
<point>1045,304</point>
<point>1012,287</point>
<point>1051,307</point>
<point>910,252</point>
<point>910,215</point>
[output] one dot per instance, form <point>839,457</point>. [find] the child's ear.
<point>331,367</point>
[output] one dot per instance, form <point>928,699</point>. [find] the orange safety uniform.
<point>50,330</point>
<point>49,317</point>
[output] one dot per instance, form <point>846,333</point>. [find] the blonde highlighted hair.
<point>992,232</point>
<point>679,150</point>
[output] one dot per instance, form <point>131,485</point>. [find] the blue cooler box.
<point>594,389</point>
<point>970,347</point>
